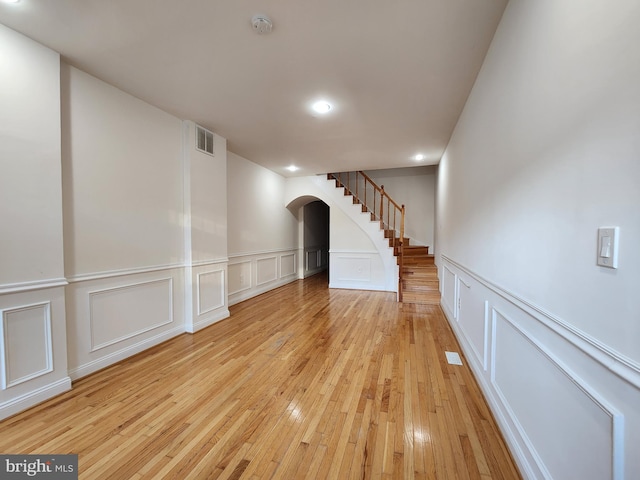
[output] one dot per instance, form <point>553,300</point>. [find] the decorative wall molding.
<point>448,287</point>
<point>42,311</point>
<point>352,268</point>
<point>120,273</point>
<point>201,297</point>
<point>261,252</point>
<point>204,263</point>
<point>208,320</point>
<point>34,397</point>
<point>287,265</point>
<point>97,345</point>
<point>311,260</point>
<point>233,266</point>
<point>32,285</point>
<point>588,405</point>
<point>126,352</point>
<point>616,419</point>
<point>249,276</point>
<point>263,273</point>
<point>354,252</point>
<point>619,364</point>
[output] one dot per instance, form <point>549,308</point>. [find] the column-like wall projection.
<point>205,227</point>
<point>123,223</point>
<point>33,355</point>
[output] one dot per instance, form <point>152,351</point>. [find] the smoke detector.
<point>261,24</point>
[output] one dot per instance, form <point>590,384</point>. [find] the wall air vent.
<point>204,140</point>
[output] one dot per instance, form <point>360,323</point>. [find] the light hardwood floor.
<point>301,382</point>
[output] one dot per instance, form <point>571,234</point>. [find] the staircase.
<point>418,275</point>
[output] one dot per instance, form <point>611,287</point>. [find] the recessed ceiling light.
<point>292,168</point>
<point>321,106</point>
<point>419,157</point>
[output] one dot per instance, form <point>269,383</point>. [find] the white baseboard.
<point>209,320</point>
<point>107,360</point>
<point>246,294</point>
<point>28,400</point>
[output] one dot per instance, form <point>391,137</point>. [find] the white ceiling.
<point>398,72</point>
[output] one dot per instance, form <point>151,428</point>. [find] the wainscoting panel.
<point>112,318</point>
<point>543,398</point>
<point>25,343</point>
<point>354,269</point>
<point>115,313</point>
<point>267,270</point>
<point>210,288</point>
<point>312,260</point>
<point>207,294</point>
<point>33,348</point>
<point>449,294</point>
<point>473,317</point>
<point>568,408</point>
<point>360,271</point>
<point>315,259</point>
<point>239,277</point>
<point>252,274</point>
<point>287,265</point>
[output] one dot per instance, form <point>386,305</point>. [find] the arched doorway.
<point>313,235</point>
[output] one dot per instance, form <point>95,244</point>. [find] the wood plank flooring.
<point>302,382</point>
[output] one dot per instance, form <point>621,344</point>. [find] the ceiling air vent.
<point>204,140</point>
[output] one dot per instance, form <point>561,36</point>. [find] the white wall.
<point>415,188</point>
<point>33,358</point>
<point>123,222</point>
<point>545,152</point>
<point>262,234</point>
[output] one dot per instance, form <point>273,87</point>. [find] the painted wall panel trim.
<point>617,363</point>
<point>111,358</point>
<point>34,285</point>
<point>203,263</point>
<point>450,298</point>
<point>6,380</point>
<point>355,252</point>
<point>34,397</point>
<point>287,261</point>
<point>119,273</point>
<point>200,294</point>
<point>243,279</point>
<point>263,274</point>
<point>617,419</point>
<point>93,294</point>
<point>261,252</point>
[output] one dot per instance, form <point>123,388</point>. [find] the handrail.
<point>376,207</point>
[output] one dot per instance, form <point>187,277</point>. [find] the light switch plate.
<point>607,248</point>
